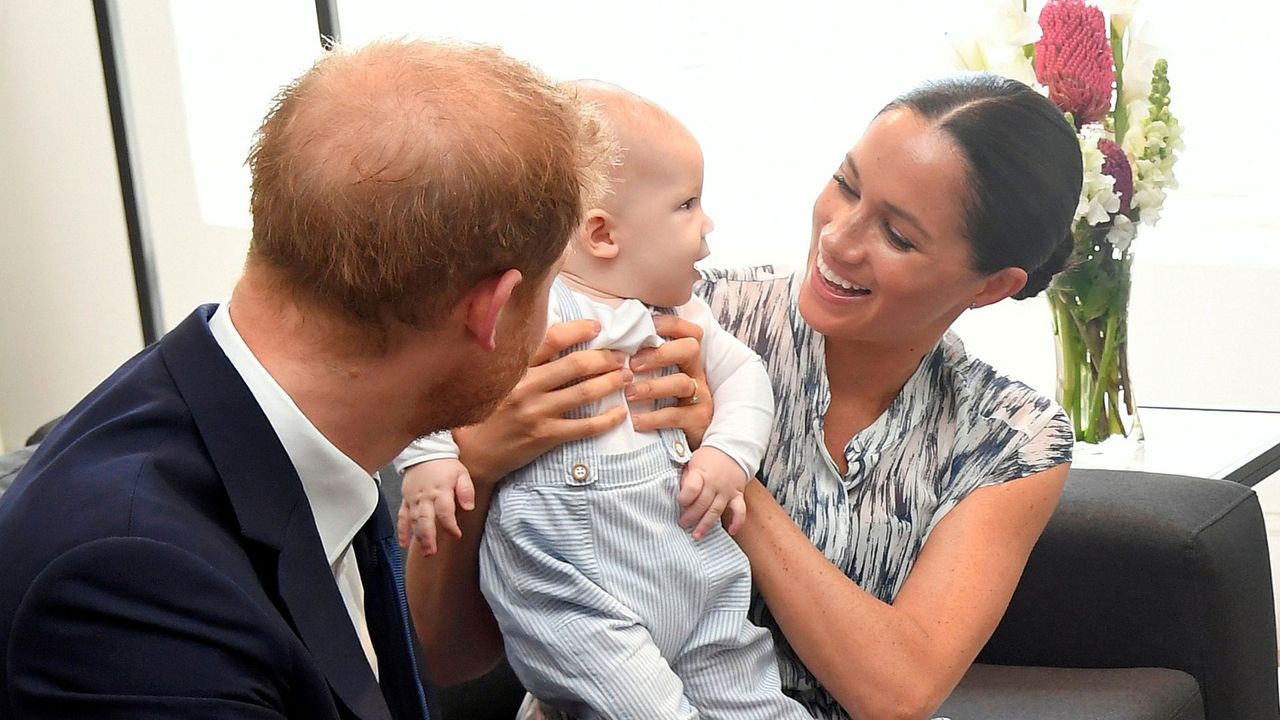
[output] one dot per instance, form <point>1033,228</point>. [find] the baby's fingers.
<point>710,517</point>
<point>691,484</point>
<point>446,515</point>
<point>465,492</point>
<point>423,518</point>
<point>404,525</point>
<point>737,512</point>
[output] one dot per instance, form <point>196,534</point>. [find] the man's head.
<point>410,201</point>
<point>643,238</point>
<point>391,180</point>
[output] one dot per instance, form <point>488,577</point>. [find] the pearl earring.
<point>973,306</point>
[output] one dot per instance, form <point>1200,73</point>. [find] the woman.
<point>906,482</point>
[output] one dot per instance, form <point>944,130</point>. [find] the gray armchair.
<point>1148,596</point>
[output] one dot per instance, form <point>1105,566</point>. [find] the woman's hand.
<point>693,409</point>
<point>530,420</point>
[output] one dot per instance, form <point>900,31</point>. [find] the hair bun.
<point>1039,279</point>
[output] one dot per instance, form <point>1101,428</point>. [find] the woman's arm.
<point>900,660</point>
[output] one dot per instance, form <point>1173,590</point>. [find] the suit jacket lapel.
<point>271,508</point>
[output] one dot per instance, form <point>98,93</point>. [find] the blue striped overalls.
<point>608,607</point>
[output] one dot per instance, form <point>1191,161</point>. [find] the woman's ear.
<point>1000,285</point>
<point>598,235</point>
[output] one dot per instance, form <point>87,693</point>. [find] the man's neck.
<point>343,394</point>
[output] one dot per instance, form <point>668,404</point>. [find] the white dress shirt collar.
<point>341,494</point>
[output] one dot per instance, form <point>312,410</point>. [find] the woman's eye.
<point>896,239</point>
<point>844,185</point>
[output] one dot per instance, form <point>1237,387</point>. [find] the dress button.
<point>679,448</point>
<point>580,473</point>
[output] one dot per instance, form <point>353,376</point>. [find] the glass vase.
<point>1090,305</point>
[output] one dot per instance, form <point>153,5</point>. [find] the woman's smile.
<point>837,283</point>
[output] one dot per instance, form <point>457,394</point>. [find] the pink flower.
<point>1116,164</point>
<point>1073,58</point>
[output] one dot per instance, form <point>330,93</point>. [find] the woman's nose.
<point>844,236</point>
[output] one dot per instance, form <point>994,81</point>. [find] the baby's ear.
<point>597,238</point>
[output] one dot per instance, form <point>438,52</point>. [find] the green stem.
<point>1125,388</point>
<point>1104,372</point>
<point>1121,115</point>
<point>1070,361</point>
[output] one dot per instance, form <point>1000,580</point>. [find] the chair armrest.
<point>1144,570</point>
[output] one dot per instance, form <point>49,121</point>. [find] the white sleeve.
<point>740,385</point>
<point>436,446</point>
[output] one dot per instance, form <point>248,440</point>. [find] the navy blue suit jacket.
<point>159,559</point>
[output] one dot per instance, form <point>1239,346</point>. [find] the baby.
<point>609,608</point>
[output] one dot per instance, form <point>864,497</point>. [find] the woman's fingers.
<point>692,419</point>
<point>561,400</point>
<point>684,353</point>
<point>675,327</point>
<point>562,336</point>
<point>678,385</point>
<point>575,366</point>
<point>577,428</point>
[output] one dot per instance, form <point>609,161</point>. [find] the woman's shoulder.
<point>729,288</point>
<point>759,278</point>
<point>984,393</point>
<point>750,302</point>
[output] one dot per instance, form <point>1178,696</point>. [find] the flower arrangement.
<point>1091,63</point>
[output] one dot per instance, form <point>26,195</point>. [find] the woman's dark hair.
<point>1024,170</point>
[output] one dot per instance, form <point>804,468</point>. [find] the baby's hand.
<point>712,484</point>
<point>429,492</point>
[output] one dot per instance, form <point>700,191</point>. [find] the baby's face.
<point>661,227</point>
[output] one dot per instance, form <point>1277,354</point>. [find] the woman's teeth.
<point>839,284</point>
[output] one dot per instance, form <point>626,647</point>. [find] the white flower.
<point>1120,12</point>
<point>1098,198</point>
<point>1139,60</point>
<point>1152,143</point>
<point>1148,200</point>
<point>1122,232</point>
<point>993,41</point>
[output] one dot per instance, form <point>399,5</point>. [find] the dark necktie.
<point>387,613</point>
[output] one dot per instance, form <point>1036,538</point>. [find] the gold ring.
<point>693,399</point>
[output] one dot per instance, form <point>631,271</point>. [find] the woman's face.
<point>889,262</point>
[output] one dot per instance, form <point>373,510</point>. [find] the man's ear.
<point>598,240</point>
<point>1000,285</point>
<point>484,304</point>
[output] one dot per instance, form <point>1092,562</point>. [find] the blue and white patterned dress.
<point>956,426</point>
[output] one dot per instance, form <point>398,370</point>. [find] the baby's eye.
<point>689,204</point>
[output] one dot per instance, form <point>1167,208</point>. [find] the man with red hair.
<point>203,535</point>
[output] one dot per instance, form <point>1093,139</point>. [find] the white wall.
<point>775,98</point>
<point>68,315</point>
